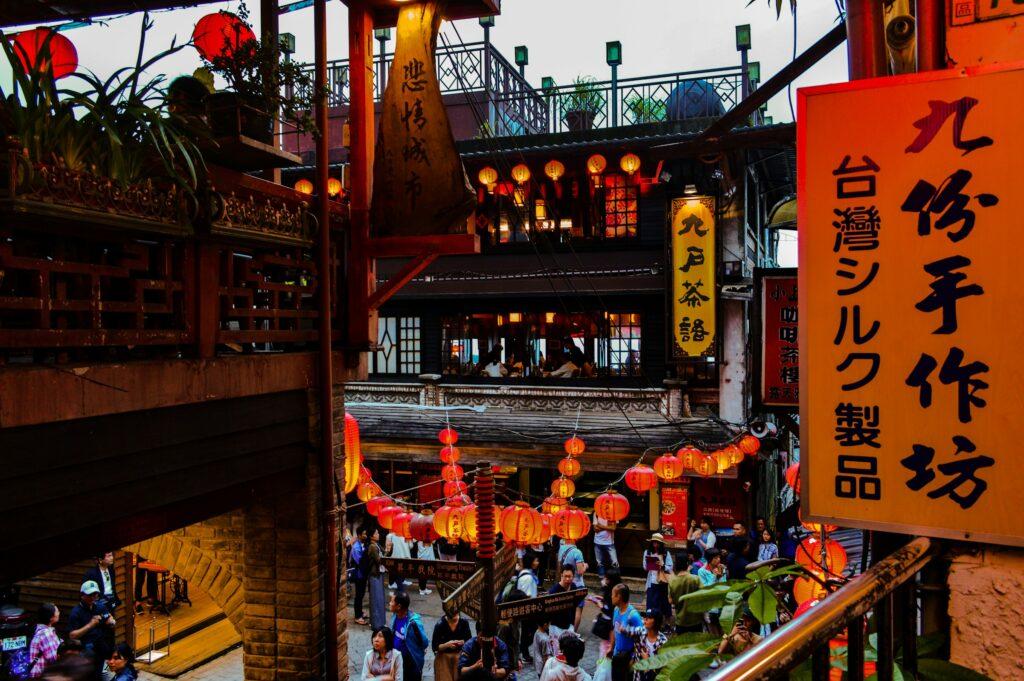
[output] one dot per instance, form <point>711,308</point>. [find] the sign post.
<point>438,570</point>
<point>541,605</point>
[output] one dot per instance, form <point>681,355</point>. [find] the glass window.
<point>624,344</point>
<point>398,340</point>
<point>620,212</point>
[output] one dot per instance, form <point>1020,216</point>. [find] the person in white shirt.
<point>604,545</point>
<point>396,546</point>
<point>571,648</point>
<point>425,551</point>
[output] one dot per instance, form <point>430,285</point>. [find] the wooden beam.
<point>400,279</point>
<point>414,246</point>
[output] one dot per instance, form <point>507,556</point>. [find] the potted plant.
<point>259,83</point>
<point>645,109</point>
<point>581,104</point>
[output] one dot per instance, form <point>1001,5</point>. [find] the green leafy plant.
<point>585,95</point>
<point>646,109</point>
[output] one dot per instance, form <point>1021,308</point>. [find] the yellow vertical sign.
<point>910,337</point>
<point>693,276</point>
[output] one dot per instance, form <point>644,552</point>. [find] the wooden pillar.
<point>207,298</point>
<point>361,128</point>
<point>270,35</point>
<point>865,39</point>
<point>931,35</point>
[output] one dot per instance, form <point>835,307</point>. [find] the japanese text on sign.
<point>693,276</point>
<point>911,369</point>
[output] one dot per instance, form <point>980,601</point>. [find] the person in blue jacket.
<point>410,637</point>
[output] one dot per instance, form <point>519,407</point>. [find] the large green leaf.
<point>669,656</point>
<point>941,670</point>
<point>689,638</point>
<point>763,603</point>
<point>685,669</point>
<point>733,608</point>
<point>705,599</point>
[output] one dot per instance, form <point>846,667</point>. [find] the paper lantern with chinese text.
<point>569,467</point>
<point>455,488</point>
<point>575,446</point>
<point>571,524</point>
<point>452,472</point>
<point>553,505</point>
<point>554,169</point>
<point>563,487</point>
<point>641,478</point>
<point>668,466</point>
<point>722,460</point>
<point>749,445</point>
<point>806,589</point>
<point>735,454</point>
<point>448,436</point>
<point>596,164</point>
<point>545,528</point>
<point>448,521</point>
<point>304,186</point>
<point>421,527</point>
<point>353,453</point>
<point>520,523</point>
<point>400,524</point>
<point>386,517</point>
<point>810,555</point>
<point>37,46</point>
<point>705,465</point>
<point>375,505</point>
<point>814,527</point>
<point>469,524</point>
<point>630,163</point>
<point>367,491</point>
<point>521,174</point>
<point>220,35</point>
<point>793,477</point>
<point>450,454</point>
<point>688,456</point>
<point>611,506</point>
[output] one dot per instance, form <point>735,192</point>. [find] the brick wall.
<point>220,537</point>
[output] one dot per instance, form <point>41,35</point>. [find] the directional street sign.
<point>542,605</point>
<point>467,596</point>
<point>449,571</point>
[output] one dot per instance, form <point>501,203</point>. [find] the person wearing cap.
<point>647,641</point>
<point>658,563</point>
<point>93,628</point>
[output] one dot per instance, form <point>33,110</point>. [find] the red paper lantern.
<point>545,531</point>
<point>386,517</point>
<point>220,35</point>
<point>32,47</point>
<point>520,523</point>
<point>806,589</point>
<point>749,445</point>
<point>574,446</point>
<point>611,506</point>
<point>400,524</point>
<point>450,454</point>
<point>705,465</point>
<point>469,524</point>
<point>563,487</point>
<point>814,527</point>
<point>448,436</point>
<point>367,491</point>
<point>569,467</point>
<point>421,527</point>
<point>804,607</point>
<point>688,456</point>
<point>641,478</point>
<point>452,472</point>
<point>668,466</point>
<point>353,453</point>
<point>571,524</point>
<point>448,521</point>
<point>364,475</point>
<point>455,488</point>
<point>553,505</point>
<point>375,505</point>
<point>735,454</point>
<point>809,555</point>
<point>793,477</point>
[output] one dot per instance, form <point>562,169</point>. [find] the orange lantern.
<point>521,174</point>
<point>400,524</point>
<point>364,475</point>
<point>375,505</point>
<point>487,176</point>
<point>571,524</point>
<point>367,491</point>
<point>750,445</point>
<point>814,527</point>
<point>333,186</point>
<point>793,477</point>
<point>469,524</point>
<point>455,488</point>
<point>554,170</point>
<point>810,555</point>
<point>421,527</point>
<point>668,466</point>
<point>569,467</point>
<point>688,456</point>
<point>448,436</point>
<point>353,453</point>
<point>386,517</point>
<point>563,487</point>
<point>630,163</point>
<point>574,446</point>
<point>520,523</point>
<point>448,521</point>
<point>553,505</point>
<point>735,454</point>
<point>452,472</point>
<point>611,506</point>
<point>596,164</point>
<point>722,460</point>
<point>705,465</point>
<point>545,528</point>
<point>304,186</point>
<point>806,589</point>
<point>220,35</point>
<point>641,478</point>
<point>450,454</point>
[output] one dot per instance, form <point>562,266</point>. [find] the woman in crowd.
<point>122,663</point>
<point>713,572</point>
<point>648,641</point>
<point>693,533</point>
<point>659,565</point>
<point>383,662</point>
<point>450,633</point>
<point>767,549</point>
<point>45,642</point>
<point>375,569</point>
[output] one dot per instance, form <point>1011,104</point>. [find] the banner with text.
<point>693,277</point>
<point>779,366</point>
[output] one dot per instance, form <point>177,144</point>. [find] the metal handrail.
<point>799,639</point>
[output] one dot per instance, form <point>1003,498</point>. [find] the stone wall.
<point>986,610</point>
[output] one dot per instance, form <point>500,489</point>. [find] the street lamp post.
<point>547,86</point>
<point>613,55</point>
<point>383,35</point>
<point>754,77</point>
<point>522,59</point>
<point>488,24</point>
<point>743,46</point>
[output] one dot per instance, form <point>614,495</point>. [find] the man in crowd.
<point>91,625</point>
<point>684,582</point>
<point>740,550</point>
<point>625,618</point>
<point>410,637</point>
<point>572,647</point>
<point>707,538</point>
<point>103,574</point>
<point>359,562</point>
<point>570,556</point>
<point>563,619</point>
<point>471,659</point>
<point>604,545</point>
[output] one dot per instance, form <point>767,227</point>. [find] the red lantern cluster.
<point>220,35</point>
<point>45,48</point>
<point>452,473</point>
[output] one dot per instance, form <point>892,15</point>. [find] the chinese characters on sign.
<point>675,509</point>
<point>780,352</point>
<point>913,363</point>
<point>547,604</point>
<point>693,276</point>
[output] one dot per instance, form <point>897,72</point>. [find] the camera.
<point>104,607</point>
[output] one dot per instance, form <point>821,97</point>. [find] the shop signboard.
<point>722,500</point>
<point>778,350</point>
<point>445,570</point>
<point>909,214</point>
<point>694,293</point>
<point>674,512</point>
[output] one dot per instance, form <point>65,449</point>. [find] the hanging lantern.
<point>304,186</point>
<point>563,487</point>
<point>353,453</point>
<point>611,506</point>
<point>34,46</point>
<point>421,527</point>
<point>630,163</point>
<point>554,170</point>
<point>452,472</point>
<point>596,164</point>
<point>571,524</point>
<point>574,446</point>
<point>641,478</point>
<point>448,436</point>
<point>722,460</point>
<point>735,454</point>
<point>375,505</point>
<point>809,555</point>
<point>521,174</point>
<point>448,521</point>
<point>804,607</point>
<point>220,35</point>
<point>333,186</point>
<point>668,466</point>
<point>367,491</point>
<point>553,505</point>
<point>569,467</point>
<point>750,445</point>
<point>364,474</point>
<point>705,465</point>
<point>545,528</point>
<point>469,524</point>
<point>386,517</point>
<point>520,523</point>
<point>400,524</point>
<point>488,177</point>
<point>455,488</point>
<point>793,477</point>
<point>806,589</point>
<point>688,456</point>
<point>814,527</point>
<point>450,454</point>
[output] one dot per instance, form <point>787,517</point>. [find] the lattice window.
<point>409,345</point>
<point>624,344</point>
<point>620,211</point>
<point>398,351</point>
<point>386,357</point>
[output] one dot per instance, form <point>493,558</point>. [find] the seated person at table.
<point>566,368</point>
<point>493,367</point>
<point>514,366</point>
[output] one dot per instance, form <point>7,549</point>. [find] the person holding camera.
<point>92,624</point>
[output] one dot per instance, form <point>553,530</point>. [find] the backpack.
<point>19,665</point>
<point>507,590</point>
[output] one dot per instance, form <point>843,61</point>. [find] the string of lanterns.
<point>554,169</point>
<point>306,186</point>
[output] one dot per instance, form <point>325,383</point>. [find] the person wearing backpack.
<point>410,637</point>
<point>359,560</point>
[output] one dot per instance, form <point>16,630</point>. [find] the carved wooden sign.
<point>446,570</point>
<point>467,596</point>
<point>542,605</point>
